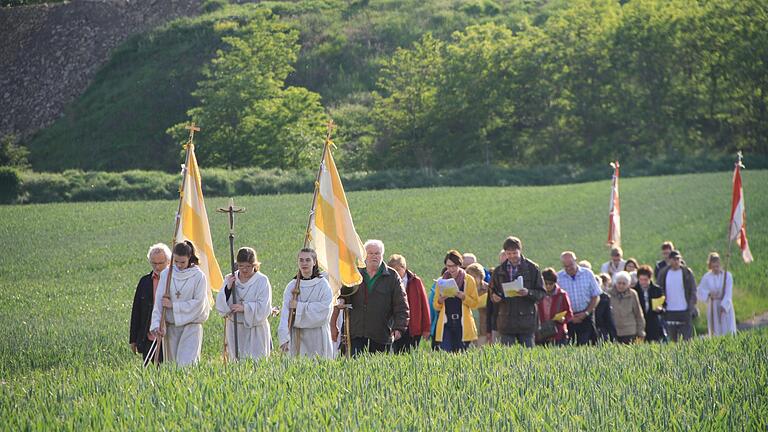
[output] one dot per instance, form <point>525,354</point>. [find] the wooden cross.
<point>231,210</point>
<point>192,129</point>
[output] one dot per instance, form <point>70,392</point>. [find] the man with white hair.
<point>379,313</point>
<point>159,257</point>
<point>584,293</point>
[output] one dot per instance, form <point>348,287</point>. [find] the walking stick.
<point>224,352</point>
<point>347,336</point>
<point>160,342</point>
<point>231,210</point>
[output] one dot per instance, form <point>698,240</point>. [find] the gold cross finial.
<point>192,129</point>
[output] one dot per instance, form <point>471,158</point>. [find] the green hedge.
<point>10,185</point>
<point>75,185</point>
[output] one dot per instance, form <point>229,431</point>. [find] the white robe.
<point>712,285</point>
<point>312,323</point>
<point>184,322</point>
<point>254,338</point>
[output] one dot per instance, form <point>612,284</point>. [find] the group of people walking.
<point>391,310</point>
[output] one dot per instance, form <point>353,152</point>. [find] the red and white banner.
<point>738,230</point>
<point>614,216</point>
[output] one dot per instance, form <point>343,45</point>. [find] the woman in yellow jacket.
<point>455,324</point>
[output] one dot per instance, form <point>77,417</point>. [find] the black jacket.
<point>606,330</point>
<point>517,314</point>
<point>377,312</point>
<point>141,313</point>
<point>654,331</point>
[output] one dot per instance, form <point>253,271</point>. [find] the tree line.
<point>427,84</point>
<point>596,80</point>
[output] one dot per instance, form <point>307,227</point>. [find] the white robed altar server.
<point>185,311</point>
<point>721,317</point>
<point>253,308</point>
<point>311,331</point>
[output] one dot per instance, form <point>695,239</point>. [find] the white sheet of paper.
<point>511,288</point>
<point>448,287</point>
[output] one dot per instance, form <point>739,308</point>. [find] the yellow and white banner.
<point>194,226</point>
<point>339,249</point>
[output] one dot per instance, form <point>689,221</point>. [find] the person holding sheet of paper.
<point>651,299</point>
<point>455,297</point>
<point>516,288</point>
<point>554,312</point>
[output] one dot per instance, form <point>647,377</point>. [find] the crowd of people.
<point>468,304</point>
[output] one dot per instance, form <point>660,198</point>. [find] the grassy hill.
<point>120,121</point>
<point>68,274</point>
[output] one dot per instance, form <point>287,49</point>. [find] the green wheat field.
<point>68,273</point>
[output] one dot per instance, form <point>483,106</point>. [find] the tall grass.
<point>715,384</point>
<point>68,273</point>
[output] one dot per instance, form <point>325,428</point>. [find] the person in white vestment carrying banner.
<point>186,307</point>
<point>313,306</point>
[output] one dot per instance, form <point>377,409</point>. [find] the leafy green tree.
<point>247,115</point>
<point>12,154</point>
<point>406,109</point>
<point>356,134</point>
<point>475,100</point>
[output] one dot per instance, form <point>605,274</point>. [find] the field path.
<point>755,322</point>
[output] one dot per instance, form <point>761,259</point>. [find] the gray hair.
<point>622,276</point>
<point>374,242</point>
<point>158,248</point>
<point>568,253</point>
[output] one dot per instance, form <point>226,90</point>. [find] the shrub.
<point>76,185</point>
<point>10,185</point>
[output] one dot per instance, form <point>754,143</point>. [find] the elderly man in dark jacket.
<point>159,257</point>
<point>516,316</point>
<point>379,313</point>
<point>679,286</point>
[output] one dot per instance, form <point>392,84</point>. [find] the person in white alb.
<point>186,307</point>
<point>311,332</point>
<point>253,307</point>
<point>721,318</point>
<point>679,285</point>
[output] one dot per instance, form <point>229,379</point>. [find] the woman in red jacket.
<point>554,307</point>
<point>419,324</point>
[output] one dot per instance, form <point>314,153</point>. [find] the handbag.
<point>548,328</point>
